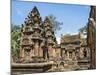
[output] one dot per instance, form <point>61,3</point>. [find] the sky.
<point>73,16</point>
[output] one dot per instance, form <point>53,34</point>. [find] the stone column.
<point>50,51</point>
<point>81,53</point>
<point>45,52</point>
<point>54,52</point>
<point>59,52</point>
<point>77,53</point>
<point>63,51</point>
<point>40,52</point>
<point>22,54</point>
<point>88,52</point>
<point>32,53</point>
<point>67,55</point>
<point>36,47</point>
<point>73,54</point>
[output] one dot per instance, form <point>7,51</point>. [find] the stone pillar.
<point>23,53</point>
<point>63,51</point>
<point>59,52</point>
<point>67,55</point>
<point>45,52</point>
<point>88,52</point>
<point>27,56</point>
<point>32,53</point>
<point>77,53</point>
<point>50,51</point>
<point>36,47</point>
<point>73,55</point>
<point>81,52</point>
<point>40,52</point>
<point>54,52</point>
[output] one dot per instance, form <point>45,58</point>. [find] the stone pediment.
<point>70,46</point>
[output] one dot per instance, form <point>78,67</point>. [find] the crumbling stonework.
<point>91,36</point>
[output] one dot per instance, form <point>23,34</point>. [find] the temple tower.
<point>31,37</point>
<point>50,37</point>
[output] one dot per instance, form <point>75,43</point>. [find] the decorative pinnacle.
<point>35,11</point>
<point>47,19</point>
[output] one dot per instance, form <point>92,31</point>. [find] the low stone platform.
<point>28,68</point>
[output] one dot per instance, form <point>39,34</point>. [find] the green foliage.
<point>15,40</point>
<point>14,27</point>
<point>56,24</point>
<point>83,30</point>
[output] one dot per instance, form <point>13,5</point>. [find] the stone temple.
<point>38,39</point>
<point>40,52</point>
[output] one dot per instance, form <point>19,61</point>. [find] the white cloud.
<point>58,40</point>
<point>74,33</point>
<point>19,12</point>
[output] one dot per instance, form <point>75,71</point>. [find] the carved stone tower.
<point>31,38</point>
<point>50,37</point>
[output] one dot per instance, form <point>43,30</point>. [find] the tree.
<point>15,41</point>
<point>56,24</point>
<point>14,27</point>
<point>83,30</point>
